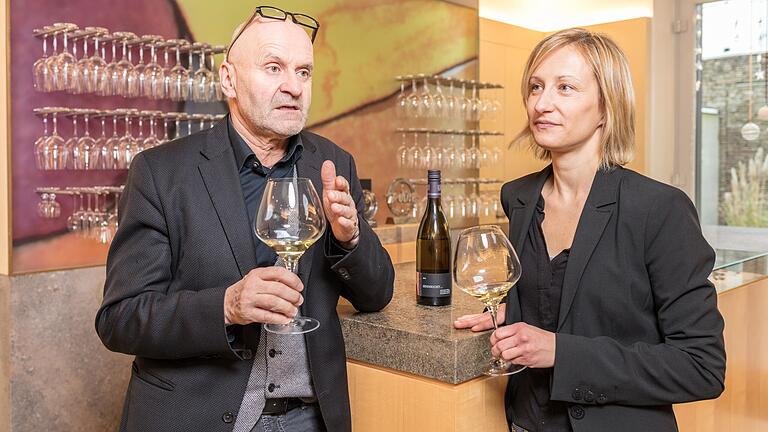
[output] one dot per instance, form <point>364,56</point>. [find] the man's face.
<point>271,86</point>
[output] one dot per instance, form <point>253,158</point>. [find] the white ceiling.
<point>550,15</point>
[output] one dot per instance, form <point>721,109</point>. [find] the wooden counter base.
<point>390,401</point>
<point>743,406</point>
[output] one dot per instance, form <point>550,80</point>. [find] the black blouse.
<point>539,290</point>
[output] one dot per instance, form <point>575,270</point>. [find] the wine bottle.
<point>433,250</point>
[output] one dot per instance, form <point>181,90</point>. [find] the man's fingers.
<point>343,211</point>
<point>267,317</point>
<point>275,304</point>
<point>328,175</point>
<point>341,197</point>
<point>278,274</point>
<point>276,289</point>
<point>342,184</point>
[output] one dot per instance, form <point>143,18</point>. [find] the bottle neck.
<point>434,190</point>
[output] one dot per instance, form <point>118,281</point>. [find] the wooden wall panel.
<point>5,146</point>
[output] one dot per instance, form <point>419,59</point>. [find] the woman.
<point>613,315</point>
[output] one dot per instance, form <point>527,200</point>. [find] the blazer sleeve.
<point>366,272</point>
<point>138,315</point>
<point>689,363</point>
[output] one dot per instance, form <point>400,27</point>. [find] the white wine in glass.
<point>486,267</point>
<point>290,219</point>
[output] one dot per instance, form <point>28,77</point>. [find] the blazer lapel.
<point>594,218</point>
<point>308,166</point>
<point>521,211</point>
<point>222,182</point>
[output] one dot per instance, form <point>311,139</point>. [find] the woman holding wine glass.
<point>613,316</point>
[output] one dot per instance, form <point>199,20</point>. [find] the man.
<point>189,285</point>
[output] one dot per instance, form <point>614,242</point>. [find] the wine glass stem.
<point>291,264</point>
<point>494,309</point>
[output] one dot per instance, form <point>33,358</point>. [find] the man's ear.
<point>228,79</point>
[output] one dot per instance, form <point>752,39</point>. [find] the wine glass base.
<point>503,369</point>
<point>299,325</point>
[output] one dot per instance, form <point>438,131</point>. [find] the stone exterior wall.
<point>725,87</point>
<point>57,376</point>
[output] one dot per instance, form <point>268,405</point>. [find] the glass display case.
<point>734,268</point>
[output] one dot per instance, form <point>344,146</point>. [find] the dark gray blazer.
<point>639,327</point>
<point>184,237</point>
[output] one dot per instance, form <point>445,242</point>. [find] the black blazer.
<point>183,238</point>
<point>639,327</point>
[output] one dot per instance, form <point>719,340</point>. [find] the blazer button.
<point>576,395</point>
<point>272,353</point>
<point>228,417</point>
<point>602,399</point>
<point>577,412</point>
<point>271,387</point>
<point>589,396</point>
<point>344,273</point>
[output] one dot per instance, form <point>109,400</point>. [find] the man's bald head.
<point>261,27</point>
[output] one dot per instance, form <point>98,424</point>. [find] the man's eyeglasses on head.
<point>271,12</point>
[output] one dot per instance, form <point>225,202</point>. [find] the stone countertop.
<point>389,234</point>
<point>416,339</point>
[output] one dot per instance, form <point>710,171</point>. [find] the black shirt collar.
<point>244,156</point>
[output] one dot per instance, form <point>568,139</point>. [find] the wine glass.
<point>178,75</point>
<point>123,75</point>
<point>87,150</point>
<point>486,267</point>
<point>401,102</point>
<point>413,101</point>
<point>65,62</point>
<point>40,70</point>
<point>39,146</point>
<point>426,109</point>
<point>216,93</point>
<point>152,85</point>
<point>201,90</point>
<point>55,153</point>
<point>113,160</point>
<point>127,144</point>
<point>438,100</point>
<point>70,145</point>
<point>290,219</point>
<point>151,140</point>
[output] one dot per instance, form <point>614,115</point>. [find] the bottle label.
<point>433,284</point>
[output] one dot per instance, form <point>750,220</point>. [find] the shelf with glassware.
<point>85,151</point>
<point>124,72</point>
<point>97,220</point>
<point>97,61</point>
<point>432,141</point>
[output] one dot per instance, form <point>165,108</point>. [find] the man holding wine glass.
<point>195,289</point>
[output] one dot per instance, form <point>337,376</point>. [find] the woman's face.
<point>563,105</point>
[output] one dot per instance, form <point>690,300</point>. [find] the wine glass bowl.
<point>486,267</point>
<point>289,220</point>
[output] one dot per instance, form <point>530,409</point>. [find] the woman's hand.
<point>480,322</point>
<point>524,344</point>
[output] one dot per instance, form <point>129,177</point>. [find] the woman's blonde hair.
<point>617,98</point>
